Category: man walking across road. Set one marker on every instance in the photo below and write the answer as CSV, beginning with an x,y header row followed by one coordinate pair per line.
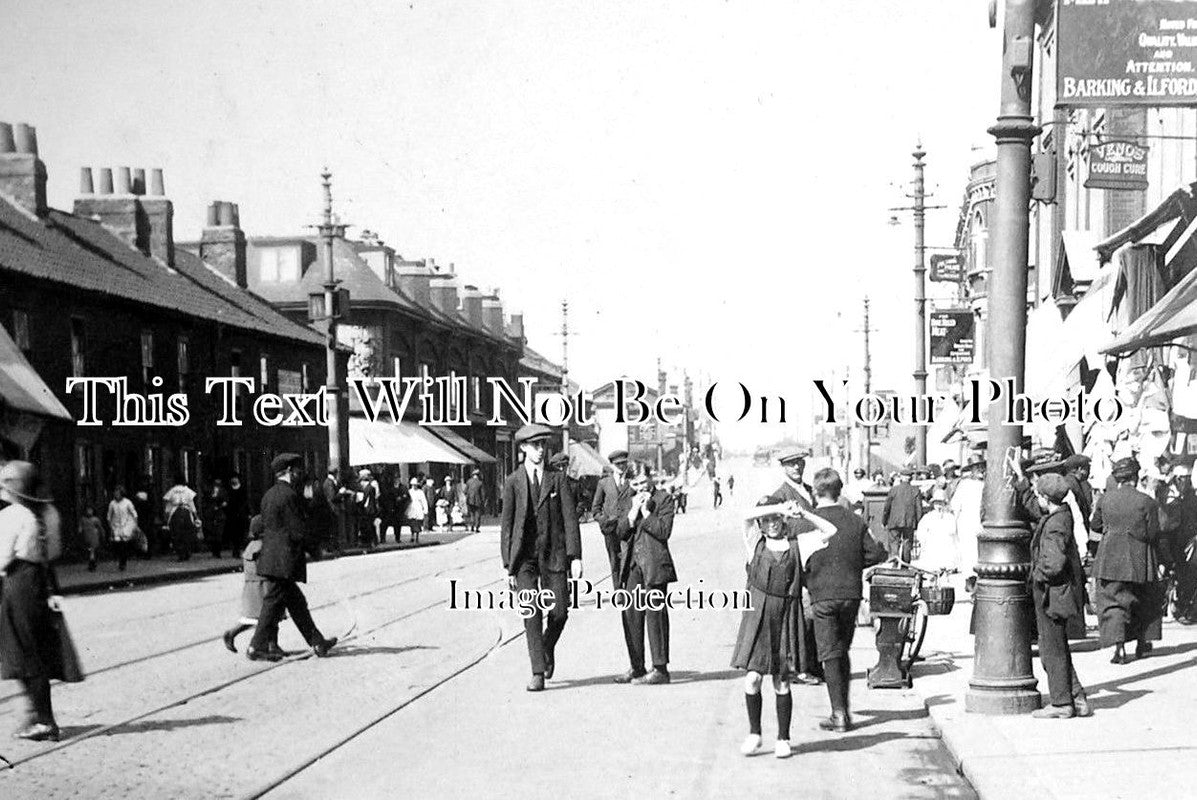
x,y
540,544
605,509
283,565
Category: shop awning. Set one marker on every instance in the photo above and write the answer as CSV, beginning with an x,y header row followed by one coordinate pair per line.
x,y
21,388
402,443
459,443
1174,316
583,461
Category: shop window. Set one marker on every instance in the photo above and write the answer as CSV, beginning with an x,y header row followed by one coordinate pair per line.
x,y
20,330
78,347
184,363
147,356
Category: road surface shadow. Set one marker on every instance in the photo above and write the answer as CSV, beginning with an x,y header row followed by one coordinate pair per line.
x,y
681,676
71,731
376,650
171,724
1120,695
882,717
848,743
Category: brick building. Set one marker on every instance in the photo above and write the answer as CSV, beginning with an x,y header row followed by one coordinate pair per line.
x,y
103,291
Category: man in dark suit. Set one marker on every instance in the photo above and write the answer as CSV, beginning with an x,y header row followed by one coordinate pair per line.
x,y
540,544
903,510
611,489
833,577
1129,602
793,488
475,500
282,565
334,495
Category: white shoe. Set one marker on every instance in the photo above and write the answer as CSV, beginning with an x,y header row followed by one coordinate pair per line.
x,y
751,744
782,749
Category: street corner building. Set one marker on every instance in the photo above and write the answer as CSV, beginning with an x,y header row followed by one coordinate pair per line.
x,y
103,290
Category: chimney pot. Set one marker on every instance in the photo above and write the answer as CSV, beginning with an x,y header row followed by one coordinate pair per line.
x,y
222,243
123,180
138,185
7,145
157,185
106,180
213,214
236,214
86,186
26,138
226,214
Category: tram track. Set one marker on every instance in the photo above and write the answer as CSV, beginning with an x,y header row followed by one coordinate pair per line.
x,y
14,763
210,639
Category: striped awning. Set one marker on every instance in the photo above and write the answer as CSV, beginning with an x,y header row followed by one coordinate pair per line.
x,y
459,443
21,388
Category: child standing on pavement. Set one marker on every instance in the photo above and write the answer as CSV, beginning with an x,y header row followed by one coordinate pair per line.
x,y
90,528
254,589
772,632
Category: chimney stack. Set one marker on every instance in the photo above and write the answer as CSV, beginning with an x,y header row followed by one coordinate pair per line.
x,y
413,279
471,305
222,244
443,291
515,327
116,208
22,173
492,314
159,214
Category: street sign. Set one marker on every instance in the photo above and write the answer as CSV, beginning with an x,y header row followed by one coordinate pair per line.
x,y
947,268
1117,165
952,336
1126,53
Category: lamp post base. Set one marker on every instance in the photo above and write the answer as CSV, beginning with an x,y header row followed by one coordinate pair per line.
x,y
1001,700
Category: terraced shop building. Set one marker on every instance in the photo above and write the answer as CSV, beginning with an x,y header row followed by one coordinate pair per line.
x,y
103,292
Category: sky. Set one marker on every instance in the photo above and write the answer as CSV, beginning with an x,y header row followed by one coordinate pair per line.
x,y
708,183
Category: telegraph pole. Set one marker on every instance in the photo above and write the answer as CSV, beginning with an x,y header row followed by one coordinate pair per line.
x,y
1002,681
331,229
565,370
657,423
920,301
868,387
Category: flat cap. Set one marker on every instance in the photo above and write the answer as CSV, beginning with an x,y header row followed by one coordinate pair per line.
x,y
559,461
284,460
1125,469
616,456
1076,461
1043,460
792,455
532,433
1052,486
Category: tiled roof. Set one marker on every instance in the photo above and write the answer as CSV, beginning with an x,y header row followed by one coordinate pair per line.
x,y
70,250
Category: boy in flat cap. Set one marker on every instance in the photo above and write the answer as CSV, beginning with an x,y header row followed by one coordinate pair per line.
x,y
541,545
282,565
1058,592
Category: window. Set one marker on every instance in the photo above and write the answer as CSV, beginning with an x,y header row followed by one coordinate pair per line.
x,y
305,380
264,363
191,467
147,355
476,386
20,330
78,346
278,265
184,363
395,371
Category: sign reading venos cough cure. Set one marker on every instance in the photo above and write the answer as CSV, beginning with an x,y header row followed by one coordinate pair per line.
x,y
1117,165
1127,53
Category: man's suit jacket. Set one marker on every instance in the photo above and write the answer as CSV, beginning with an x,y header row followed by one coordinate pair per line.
x,y
605,507
282,553
558,538
834,573
1130,526
903,507
475,492
647,542
784,494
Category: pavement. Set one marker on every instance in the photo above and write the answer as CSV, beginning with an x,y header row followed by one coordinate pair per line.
x,y
423,699
76,578
1139,742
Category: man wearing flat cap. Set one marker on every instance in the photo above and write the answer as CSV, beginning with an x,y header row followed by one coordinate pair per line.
x,y
1129,603
282,565
793,489
605,508
541,545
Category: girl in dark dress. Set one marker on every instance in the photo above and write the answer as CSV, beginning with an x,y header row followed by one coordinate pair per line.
x,y
771,639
